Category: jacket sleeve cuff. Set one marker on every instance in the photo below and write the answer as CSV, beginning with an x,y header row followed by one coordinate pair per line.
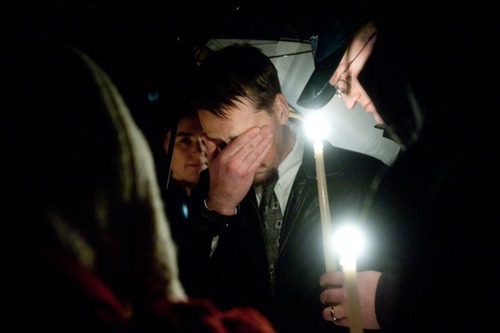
x,y
213,222
385,299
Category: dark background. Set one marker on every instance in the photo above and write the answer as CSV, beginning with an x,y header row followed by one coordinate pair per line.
x,y
147,46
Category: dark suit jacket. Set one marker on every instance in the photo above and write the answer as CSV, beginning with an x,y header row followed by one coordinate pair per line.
x,y
237,273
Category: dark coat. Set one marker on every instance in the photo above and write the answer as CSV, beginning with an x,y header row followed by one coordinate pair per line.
x,y
237,273
434,216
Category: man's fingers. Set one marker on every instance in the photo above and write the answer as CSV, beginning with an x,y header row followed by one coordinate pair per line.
x,y
256,162
246,141
247,151
257,149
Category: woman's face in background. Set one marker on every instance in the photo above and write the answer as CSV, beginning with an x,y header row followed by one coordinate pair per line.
x,y
189,154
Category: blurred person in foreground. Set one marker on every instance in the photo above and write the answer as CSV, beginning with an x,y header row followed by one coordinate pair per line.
x,y
85,243
422,68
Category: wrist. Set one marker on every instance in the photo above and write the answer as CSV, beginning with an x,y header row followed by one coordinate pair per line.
x,y
222,211
215,223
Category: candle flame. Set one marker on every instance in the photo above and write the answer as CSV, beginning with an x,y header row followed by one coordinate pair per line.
x,y
316,126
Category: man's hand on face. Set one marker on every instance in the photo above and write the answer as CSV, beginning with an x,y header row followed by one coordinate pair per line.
x,y
232,168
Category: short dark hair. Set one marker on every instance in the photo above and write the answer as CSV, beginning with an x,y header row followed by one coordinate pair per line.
x,y
235,72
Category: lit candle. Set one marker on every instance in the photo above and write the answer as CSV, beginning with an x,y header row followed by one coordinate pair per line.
x,y
349,242
316,126
324,205
354,308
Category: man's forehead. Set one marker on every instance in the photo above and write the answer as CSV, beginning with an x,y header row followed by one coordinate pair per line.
x,y
236,121
224,129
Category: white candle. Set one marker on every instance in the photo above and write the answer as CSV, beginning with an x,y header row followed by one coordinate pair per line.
x,y
354,308
324,205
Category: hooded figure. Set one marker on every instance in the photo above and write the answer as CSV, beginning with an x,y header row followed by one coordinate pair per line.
x,y
86,246
431,221
332,40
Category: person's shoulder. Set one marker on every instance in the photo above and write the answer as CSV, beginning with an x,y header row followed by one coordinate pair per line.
x,y
350,156
351,161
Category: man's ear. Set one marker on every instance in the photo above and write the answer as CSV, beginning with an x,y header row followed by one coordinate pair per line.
x,y
281,108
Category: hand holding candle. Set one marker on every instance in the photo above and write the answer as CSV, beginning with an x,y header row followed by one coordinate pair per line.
x,y
317,128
